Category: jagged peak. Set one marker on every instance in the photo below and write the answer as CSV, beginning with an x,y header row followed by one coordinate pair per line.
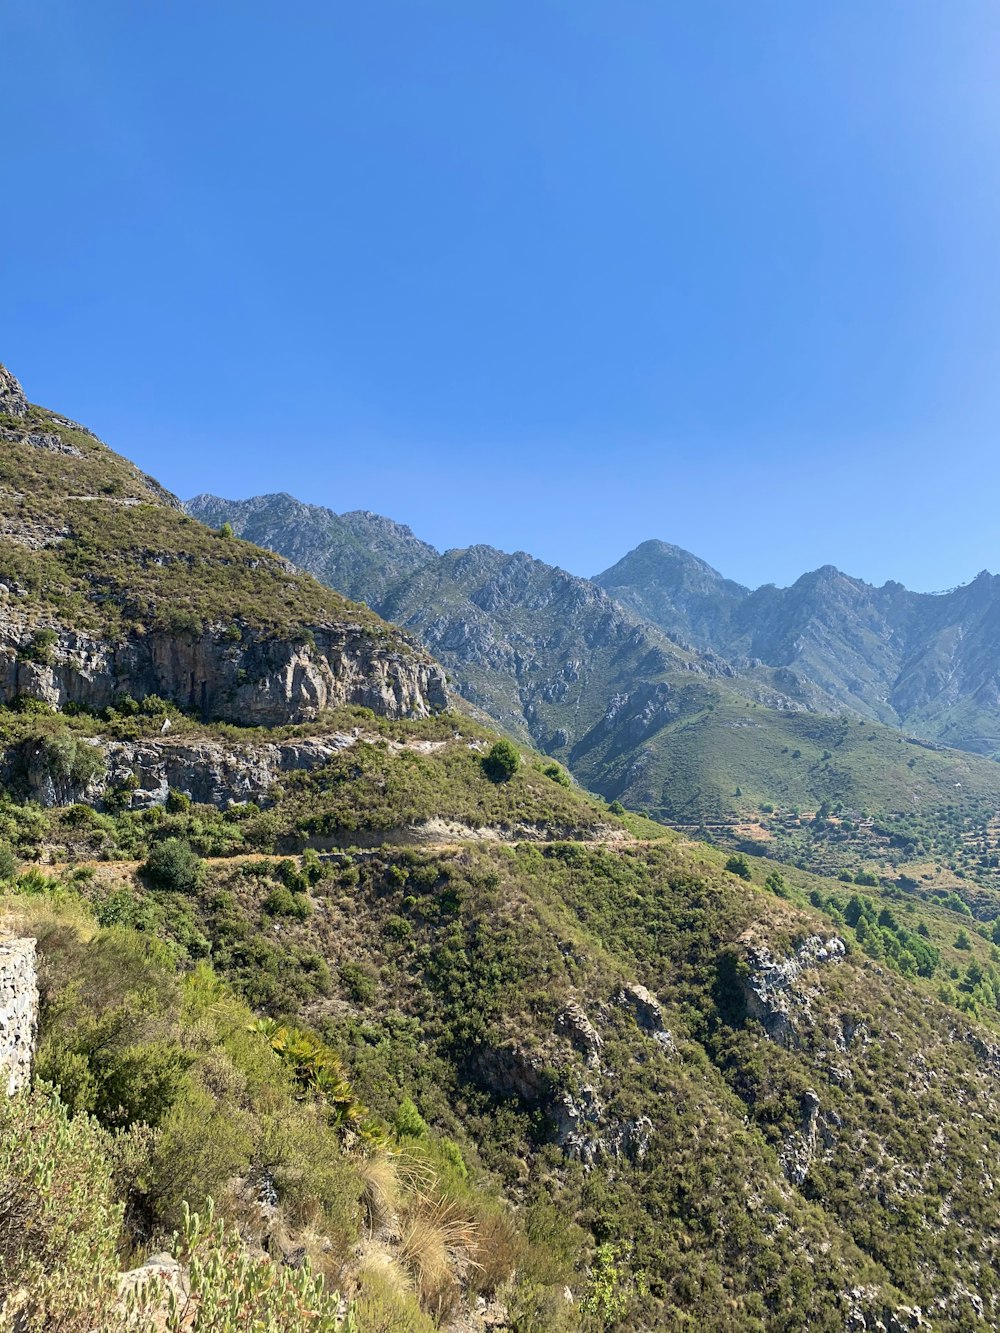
x,y
12,399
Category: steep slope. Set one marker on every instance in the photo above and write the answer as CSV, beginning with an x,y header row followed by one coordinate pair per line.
x,y
728,1106
361,554
690,1089
108,589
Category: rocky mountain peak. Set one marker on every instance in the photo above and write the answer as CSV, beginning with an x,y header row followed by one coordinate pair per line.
x,y
12,399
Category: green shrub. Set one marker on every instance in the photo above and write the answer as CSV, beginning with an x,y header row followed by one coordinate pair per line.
x,y
739,865
40,648
281,901
502,762
408,1122
173,864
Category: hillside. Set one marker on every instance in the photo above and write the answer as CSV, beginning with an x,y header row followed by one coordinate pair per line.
x,y
108,589
707,1099
423,1018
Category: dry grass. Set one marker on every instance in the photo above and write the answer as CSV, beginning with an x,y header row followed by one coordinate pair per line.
x,y
438,1244
382,1191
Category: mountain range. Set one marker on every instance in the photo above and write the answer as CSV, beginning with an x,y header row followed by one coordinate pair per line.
x,y
660,682
412,1011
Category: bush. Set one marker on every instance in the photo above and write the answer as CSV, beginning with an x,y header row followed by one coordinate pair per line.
x,y
174,865
616,808
739,865
502,762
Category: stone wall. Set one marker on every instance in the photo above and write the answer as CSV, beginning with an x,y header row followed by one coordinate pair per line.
x,y
18,1013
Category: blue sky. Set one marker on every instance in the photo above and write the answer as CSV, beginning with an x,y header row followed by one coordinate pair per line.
x,y
557,275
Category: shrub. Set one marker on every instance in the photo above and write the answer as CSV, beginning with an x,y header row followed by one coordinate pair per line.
x,y
59,1222
408,1122
173,864
739,865
502,762
178,802
39,650
616,808
281,901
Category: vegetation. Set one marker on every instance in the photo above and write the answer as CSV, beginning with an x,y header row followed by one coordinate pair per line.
x,y
132,560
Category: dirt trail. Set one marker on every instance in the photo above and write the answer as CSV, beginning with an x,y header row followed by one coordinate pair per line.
x,y
617,844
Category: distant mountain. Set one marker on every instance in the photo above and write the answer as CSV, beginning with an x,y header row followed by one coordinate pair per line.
x,y
360,554
696,716
929,662
676,591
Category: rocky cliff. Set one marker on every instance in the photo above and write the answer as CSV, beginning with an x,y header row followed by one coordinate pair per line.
x,y
227,672
18,1013
108,589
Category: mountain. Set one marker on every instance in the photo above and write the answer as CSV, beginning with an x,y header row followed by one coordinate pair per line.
x,y
926,662
694,717
407,1006
108,589
675,590
360,554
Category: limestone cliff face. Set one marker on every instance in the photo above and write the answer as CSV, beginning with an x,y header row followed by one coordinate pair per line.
x,y
250,679
18,1013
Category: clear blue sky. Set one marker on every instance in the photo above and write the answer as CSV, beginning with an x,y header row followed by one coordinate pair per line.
x,y
552,274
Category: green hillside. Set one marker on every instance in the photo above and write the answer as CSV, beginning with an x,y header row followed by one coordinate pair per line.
x,y
672,1152
728,759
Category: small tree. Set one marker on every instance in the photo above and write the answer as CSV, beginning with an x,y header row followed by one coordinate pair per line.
x,y
739,865
502,762
174,864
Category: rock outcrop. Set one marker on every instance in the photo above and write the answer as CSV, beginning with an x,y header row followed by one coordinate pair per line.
x,y
769,992
142,773
252,680
647,1011
18,1013
12,400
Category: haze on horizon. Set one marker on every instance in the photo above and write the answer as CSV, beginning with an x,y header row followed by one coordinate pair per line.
x,y
558,279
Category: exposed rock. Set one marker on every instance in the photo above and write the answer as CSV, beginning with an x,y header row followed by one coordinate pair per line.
x,y
18,1013
573,1023
799,1147
769,992
512,1073
40,439
154,1287
647,1012
12,400
579,1121
867,1312
254,680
